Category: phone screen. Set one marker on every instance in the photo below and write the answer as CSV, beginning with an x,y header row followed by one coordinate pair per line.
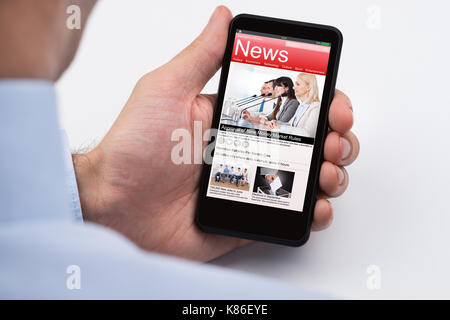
x,y
268,122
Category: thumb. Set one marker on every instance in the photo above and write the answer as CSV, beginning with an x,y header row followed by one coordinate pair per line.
x,y
198,62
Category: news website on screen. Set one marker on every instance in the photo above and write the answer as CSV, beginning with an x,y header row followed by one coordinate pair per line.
x,y
269,119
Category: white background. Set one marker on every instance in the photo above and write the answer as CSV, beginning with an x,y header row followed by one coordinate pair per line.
x,y
395,213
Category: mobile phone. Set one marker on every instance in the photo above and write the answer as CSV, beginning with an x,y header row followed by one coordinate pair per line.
x,y
260,176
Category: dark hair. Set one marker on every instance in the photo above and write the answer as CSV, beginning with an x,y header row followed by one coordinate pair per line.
x,y
287,83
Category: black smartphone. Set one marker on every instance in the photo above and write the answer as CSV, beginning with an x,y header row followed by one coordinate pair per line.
x,y
261,171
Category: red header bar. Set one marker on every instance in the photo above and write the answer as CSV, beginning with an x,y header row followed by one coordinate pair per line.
x,y
282,54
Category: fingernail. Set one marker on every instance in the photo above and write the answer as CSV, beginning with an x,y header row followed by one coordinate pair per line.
x,y
350,104
341,175
213,16
346,148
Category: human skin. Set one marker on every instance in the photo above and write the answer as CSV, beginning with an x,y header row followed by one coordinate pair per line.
x,y
36,44
128,182
271,177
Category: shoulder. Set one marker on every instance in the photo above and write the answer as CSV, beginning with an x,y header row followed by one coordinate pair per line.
x,y
314,106
292,102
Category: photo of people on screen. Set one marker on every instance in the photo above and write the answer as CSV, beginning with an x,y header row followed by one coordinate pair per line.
x,y
267,104
284,105
273,182
230,176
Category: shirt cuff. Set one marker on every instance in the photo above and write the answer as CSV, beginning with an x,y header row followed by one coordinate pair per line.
x,y
71,181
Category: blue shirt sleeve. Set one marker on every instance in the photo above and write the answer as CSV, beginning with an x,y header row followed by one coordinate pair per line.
x,y
32,184
71,182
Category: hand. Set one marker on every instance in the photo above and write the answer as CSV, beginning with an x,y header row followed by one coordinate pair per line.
x,y
273,125
129,181
271,177
246,115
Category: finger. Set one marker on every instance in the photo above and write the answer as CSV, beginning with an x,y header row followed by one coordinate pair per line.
x,y
323,215
212,97
343,149
198,62
340,117
333,180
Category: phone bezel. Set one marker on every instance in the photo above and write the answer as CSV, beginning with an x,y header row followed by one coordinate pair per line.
x,y
257,222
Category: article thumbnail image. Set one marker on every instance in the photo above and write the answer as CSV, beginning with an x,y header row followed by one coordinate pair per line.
x,y
272,99
231,175
273,182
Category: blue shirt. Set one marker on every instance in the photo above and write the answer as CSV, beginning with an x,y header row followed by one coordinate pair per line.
x,y
44,243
